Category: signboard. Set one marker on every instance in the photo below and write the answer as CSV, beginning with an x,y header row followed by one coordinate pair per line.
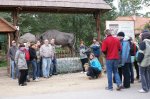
x,y
121,26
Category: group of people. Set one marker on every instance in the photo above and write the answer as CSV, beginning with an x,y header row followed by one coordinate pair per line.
x,y
121,54
91,56
41,57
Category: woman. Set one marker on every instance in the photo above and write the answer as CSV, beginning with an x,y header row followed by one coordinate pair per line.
x,y
33,59
95,67
39,60
22,65
83,56
96,48
143,59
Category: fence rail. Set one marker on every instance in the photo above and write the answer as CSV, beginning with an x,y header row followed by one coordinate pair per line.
x,y
65,54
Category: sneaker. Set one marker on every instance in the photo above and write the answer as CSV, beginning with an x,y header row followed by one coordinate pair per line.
x,y
119,87
110,89
82,72
23,84
36,80
55,73
141,91
85,72
28,80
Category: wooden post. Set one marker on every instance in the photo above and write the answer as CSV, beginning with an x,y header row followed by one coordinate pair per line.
x,y
8,60
97,19
15,16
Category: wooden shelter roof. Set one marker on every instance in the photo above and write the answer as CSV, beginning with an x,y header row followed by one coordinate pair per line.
x,y
6,27
57,6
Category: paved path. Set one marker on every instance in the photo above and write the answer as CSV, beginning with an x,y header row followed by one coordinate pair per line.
x,y
93,94
67,86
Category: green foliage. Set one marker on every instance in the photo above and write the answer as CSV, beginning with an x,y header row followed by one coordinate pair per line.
x,y
146,2
147,26
3,63
129,7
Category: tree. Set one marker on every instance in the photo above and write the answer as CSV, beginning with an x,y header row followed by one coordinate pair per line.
x,y
147,26
129,7
146,2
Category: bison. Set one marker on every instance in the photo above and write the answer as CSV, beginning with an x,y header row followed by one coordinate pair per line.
x,y
61,38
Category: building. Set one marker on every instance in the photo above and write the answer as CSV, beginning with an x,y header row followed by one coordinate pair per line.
x,y
140,22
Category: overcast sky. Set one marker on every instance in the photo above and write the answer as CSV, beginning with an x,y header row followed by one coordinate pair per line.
x,y
143,11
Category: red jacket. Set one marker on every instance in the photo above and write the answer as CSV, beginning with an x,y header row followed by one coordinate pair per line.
x,y
111,47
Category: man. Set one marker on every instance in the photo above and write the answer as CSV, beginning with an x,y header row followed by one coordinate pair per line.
x,y
53,70
11,55
46,53
143,59
125,62
111,47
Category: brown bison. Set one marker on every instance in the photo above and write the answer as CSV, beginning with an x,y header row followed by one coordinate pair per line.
x,y
61,38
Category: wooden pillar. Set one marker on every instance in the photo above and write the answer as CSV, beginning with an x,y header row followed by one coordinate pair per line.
x,y
15,16
8,60
97,19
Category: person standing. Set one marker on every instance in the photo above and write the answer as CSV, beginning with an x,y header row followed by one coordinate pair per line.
x,y
53,69
39,59
83,56
111,47
125,59
11,55
46,53
96,48
33,59
27,57
144,61
21,64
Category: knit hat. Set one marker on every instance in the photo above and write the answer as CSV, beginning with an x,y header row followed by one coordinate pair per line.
x,y
121,34
145,31
145,36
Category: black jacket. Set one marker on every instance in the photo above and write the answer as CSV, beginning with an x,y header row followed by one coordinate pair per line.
x,y
32,54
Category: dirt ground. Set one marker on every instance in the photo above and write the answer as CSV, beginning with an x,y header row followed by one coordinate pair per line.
x,y
58,83
62,83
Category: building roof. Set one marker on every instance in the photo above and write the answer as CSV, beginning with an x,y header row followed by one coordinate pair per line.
x,y
6,27
140,22
58,6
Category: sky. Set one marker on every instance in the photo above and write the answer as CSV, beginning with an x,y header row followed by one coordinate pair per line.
x,y
143,11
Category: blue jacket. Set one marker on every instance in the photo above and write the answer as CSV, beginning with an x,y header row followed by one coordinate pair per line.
x,y
125,55
95,63
96,49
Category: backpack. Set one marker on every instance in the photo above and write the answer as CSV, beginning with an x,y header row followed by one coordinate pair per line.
x,y
27,55
132,49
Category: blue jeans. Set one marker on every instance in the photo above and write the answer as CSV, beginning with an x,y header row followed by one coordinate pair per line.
x,y
54,68
145,78
112,68
39,69
14,69
34,69
46,66
131,73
